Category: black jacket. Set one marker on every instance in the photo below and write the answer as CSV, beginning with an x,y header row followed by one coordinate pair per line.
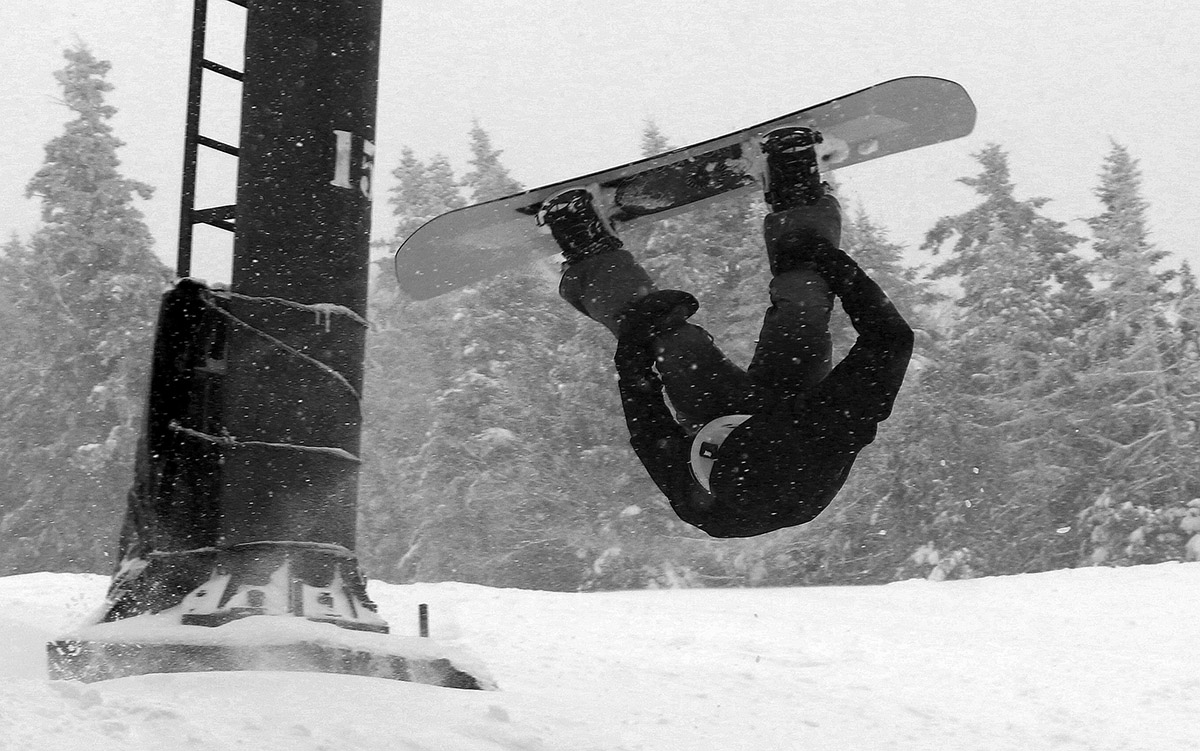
x,y
782,468
802,492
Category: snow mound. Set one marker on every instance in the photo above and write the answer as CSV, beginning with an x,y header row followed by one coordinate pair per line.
x,y
1092,659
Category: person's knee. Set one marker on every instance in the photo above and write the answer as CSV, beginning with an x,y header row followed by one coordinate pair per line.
x,y
801,287
896,335
603,286
802,297
570,288
903,340
687,337
686,351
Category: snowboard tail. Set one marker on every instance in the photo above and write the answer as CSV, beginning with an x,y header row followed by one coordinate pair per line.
x,y
473,243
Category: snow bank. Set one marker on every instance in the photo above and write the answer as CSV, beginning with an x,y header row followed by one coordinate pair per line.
x,y
1096,659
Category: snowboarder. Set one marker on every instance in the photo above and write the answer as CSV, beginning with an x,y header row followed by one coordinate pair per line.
x,y
746,451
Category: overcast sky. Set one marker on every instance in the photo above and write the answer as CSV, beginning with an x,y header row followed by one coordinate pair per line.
x,y
564,89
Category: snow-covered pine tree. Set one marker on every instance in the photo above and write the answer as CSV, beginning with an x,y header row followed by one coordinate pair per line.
x,y
1187,307
872,248
1139,391
405,368
488,177
467,472
653,140
86,286
1021,219
1003,372
422,192
411,518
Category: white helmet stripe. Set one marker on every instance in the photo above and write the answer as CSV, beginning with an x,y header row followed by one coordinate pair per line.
x,y
708,442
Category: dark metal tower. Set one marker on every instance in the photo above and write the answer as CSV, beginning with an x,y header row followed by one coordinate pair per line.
x,y
246,489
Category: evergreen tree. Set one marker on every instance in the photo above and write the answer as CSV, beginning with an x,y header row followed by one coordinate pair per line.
x,y
85,288
1021,220
422,192
883,260
1188,309
1002,376
1139,389
1123,225
488,177
653,140
417,468
471,487
405,368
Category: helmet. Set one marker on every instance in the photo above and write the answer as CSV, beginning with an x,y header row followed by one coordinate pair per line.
x,y
706,444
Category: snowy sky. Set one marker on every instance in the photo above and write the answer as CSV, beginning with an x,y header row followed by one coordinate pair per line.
x,y
564,88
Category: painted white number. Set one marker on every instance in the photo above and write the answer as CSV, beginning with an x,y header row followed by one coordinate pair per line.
x,y
343,161
341,158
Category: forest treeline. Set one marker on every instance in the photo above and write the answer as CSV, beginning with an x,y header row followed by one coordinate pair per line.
x,y
1048,419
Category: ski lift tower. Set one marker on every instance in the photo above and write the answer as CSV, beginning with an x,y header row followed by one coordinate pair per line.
x,y
245,496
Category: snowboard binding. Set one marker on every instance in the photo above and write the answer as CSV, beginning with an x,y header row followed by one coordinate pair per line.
x,y
577,227
805,222
792,176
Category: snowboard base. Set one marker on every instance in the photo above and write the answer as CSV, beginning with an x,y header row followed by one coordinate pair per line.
x,y
473,243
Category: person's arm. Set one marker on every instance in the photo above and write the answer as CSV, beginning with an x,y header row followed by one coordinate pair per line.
x,y
871,312
657,439
861,390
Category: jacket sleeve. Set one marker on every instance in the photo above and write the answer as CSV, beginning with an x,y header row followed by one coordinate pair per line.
x,y
861,390
657,439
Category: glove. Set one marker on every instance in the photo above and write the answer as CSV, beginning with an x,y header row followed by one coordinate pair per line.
x,y
836,267
650,316
635,364
657,312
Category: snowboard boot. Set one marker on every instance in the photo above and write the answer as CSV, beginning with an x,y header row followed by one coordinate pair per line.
x,y
577,227
599,277
792,176
805,217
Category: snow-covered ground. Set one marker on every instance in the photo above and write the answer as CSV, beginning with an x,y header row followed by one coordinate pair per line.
x,y
1083,659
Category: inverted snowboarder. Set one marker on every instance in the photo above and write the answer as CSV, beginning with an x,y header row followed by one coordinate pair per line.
x,y
746,451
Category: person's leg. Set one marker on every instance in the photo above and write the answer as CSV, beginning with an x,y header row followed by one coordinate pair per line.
x,y
604,286
599,277
701,382
858,394
603,281
794,351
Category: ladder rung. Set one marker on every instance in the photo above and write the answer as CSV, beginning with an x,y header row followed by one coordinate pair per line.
x,y
221,217
215,212
212,143
217,216
223,70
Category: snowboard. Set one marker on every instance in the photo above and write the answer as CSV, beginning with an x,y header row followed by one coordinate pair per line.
x,y
476,242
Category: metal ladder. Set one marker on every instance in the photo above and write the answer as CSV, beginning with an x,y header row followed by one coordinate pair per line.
x,y
189,216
